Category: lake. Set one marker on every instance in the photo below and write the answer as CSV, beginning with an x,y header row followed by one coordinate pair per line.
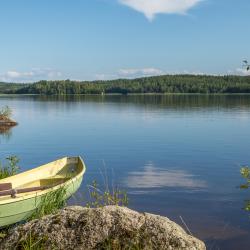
x,y
175,155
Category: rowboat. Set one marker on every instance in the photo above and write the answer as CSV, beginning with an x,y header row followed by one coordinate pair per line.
x,y
21,194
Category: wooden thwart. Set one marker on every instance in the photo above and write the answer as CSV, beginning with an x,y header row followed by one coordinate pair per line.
x,y
13,192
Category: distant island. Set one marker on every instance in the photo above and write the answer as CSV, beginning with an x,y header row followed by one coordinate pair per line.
x,y
5,120
203,84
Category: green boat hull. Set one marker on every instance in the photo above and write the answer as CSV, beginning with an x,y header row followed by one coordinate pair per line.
x,y
21,210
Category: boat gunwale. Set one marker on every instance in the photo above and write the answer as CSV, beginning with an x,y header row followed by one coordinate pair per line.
x,y
35,194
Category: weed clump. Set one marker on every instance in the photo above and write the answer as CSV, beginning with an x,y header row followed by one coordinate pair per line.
x,y
99,198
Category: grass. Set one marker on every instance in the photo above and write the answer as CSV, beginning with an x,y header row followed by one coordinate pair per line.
x,y
99,198
50,203
10,168
32,243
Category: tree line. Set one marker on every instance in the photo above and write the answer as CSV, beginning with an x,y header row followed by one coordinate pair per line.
x,y
205,84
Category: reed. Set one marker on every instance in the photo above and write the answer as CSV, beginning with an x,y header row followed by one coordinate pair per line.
x,y
10,168
50,203
99,198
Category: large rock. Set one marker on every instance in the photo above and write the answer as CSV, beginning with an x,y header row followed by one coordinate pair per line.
x,y
111,227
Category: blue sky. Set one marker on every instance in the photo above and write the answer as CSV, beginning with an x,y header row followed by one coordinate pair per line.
x,y
106,39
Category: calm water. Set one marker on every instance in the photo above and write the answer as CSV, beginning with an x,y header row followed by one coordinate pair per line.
x,y
175,155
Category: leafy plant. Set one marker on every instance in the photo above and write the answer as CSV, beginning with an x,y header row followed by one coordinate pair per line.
x,y
11,168
5,112
246,65
99,198
245,172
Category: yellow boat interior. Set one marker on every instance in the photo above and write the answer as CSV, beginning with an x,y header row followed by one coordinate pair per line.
x,y
44,177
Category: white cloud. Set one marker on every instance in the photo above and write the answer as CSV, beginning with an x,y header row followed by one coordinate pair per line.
x,y
150,8
132,73
153,177
33,75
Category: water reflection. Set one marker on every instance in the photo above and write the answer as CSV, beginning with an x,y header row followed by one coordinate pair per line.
x,y
153,177
5,132
175,102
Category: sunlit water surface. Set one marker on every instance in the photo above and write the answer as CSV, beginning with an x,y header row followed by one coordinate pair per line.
x,y
175,155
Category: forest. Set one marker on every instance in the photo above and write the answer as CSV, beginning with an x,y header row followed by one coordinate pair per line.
x,y
205,84
10,87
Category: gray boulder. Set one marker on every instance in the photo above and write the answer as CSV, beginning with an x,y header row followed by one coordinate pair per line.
x,y
111,227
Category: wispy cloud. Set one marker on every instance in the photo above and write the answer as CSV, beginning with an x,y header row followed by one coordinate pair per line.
x,y
143,72
131,73
33,75
153,177
150,8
